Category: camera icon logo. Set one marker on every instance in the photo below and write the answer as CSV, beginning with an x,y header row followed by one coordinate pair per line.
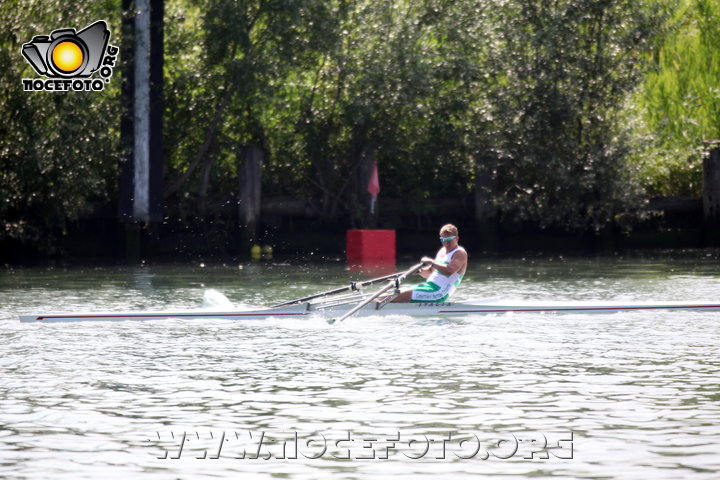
x,y
68,54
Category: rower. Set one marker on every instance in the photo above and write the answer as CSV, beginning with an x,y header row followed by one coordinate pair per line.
x,y
443,274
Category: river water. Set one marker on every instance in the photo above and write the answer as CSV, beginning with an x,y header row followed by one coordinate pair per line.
x,y
614,396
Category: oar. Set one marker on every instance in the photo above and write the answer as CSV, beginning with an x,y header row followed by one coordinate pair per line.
x,y
352,287
398,280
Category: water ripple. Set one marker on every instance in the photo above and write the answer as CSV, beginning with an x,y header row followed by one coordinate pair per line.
x,y
638,391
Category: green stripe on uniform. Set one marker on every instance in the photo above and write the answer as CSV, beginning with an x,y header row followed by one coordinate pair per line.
x,y
428,287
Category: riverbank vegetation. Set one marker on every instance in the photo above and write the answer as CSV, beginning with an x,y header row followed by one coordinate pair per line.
x,y
564,113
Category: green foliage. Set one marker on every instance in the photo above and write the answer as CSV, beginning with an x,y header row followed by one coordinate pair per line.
x,y
58,151
678,105
395,85
563,69
228,64
529,93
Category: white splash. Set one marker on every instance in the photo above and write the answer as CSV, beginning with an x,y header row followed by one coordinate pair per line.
x,y
216,300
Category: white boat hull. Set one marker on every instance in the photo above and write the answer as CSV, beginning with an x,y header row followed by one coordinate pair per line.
x,y
446,309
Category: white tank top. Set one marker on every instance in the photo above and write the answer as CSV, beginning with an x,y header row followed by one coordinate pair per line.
x,y
443,281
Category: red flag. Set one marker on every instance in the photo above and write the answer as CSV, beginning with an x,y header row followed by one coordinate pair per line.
x,y
374,187
374,183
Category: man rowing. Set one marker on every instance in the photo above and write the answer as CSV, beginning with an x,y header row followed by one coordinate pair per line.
x,y
443,274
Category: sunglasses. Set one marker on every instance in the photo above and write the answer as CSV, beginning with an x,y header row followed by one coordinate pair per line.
x,y
447,239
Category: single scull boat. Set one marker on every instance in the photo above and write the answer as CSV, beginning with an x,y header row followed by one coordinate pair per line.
x,y
446,309
339,304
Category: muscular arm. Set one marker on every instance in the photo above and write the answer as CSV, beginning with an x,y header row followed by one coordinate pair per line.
x,y
458,261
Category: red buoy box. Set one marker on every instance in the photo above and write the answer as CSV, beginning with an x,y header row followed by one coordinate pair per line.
x,y
367,246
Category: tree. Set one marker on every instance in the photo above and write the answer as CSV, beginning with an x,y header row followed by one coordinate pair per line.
x,y
678,104
225,75
58,150
562,70
396,85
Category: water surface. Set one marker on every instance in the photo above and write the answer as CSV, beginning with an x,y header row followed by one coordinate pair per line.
x,y
614,396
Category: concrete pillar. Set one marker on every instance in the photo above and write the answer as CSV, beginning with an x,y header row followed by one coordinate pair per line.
x,y
141,182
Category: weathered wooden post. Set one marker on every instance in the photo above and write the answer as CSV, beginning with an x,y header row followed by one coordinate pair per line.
x,y
711,191
711,184
250,174
485,210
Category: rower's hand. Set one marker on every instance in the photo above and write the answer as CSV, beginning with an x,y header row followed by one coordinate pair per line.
x,y
425,271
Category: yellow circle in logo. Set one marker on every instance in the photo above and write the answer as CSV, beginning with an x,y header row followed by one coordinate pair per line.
x,y
67,56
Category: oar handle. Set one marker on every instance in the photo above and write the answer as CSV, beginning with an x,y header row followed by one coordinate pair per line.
x,y
387,287
414,269
352,287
